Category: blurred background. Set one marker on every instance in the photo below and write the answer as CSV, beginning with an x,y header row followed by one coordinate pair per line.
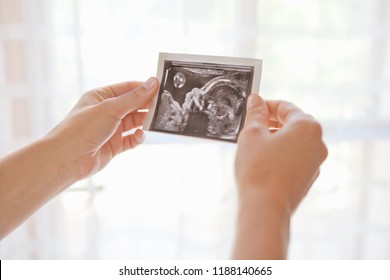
x,y
173,200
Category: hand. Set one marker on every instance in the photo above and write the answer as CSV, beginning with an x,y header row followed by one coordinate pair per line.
x,y
82,144
285,163
274,171
93,129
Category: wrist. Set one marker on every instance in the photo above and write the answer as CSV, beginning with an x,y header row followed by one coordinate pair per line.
x,y
263,226
271,200
61,157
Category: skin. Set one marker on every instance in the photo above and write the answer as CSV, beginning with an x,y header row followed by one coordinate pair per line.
x,y
81,145
274,171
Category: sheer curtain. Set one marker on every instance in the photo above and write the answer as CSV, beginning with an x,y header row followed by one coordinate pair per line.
x,y
174,200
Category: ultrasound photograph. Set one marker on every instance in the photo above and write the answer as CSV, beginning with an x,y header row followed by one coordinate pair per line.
x,y
202,99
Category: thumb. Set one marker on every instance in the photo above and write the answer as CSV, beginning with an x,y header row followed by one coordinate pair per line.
x,y
257,112
137,98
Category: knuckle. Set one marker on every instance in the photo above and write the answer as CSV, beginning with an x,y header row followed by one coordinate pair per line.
x,y
136,98
100,93
253,129
325,151
308,123
287,105
316,128
137,93
257,113
250,131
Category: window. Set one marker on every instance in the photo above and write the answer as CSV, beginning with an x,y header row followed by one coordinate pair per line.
x,y
177,200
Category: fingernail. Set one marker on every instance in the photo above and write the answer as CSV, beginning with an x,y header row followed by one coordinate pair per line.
x,y
149,83
254,100
140,138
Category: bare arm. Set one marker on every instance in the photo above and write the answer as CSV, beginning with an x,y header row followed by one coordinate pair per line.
x,y
274,172
82,144
30,177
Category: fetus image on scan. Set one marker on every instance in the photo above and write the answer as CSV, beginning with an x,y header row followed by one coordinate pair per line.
x,y
203,100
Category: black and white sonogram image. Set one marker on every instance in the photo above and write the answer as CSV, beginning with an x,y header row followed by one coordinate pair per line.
x,y
205,100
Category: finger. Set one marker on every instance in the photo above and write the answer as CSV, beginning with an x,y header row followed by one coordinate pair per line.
x,y
133,120
124,87
315,176
283,111
274,124
257,113
116,90
135,99
146,106
133,140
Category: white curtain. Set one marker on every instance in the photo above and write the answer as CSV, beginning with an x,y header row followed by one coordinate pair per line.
x,y
178,201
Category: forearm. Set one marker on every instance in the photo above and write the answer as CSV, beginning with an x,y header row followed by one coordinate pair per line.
x,y
29,178
263,228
